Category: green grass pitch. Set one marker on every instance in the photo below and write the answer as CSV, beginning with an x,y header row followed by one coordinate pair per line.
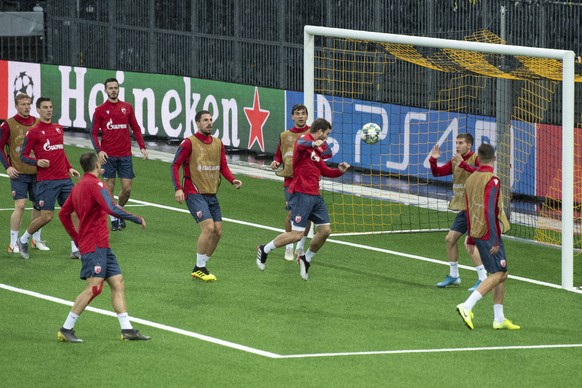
x,y
370,314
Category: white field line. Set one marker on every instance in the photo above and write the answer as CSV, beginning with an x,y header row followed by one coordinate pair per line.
x,y
444,350
144,322
263,353
267,354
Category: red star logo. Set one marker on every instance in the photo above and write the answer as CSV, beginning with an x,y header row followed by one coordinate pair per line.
x,y
256,118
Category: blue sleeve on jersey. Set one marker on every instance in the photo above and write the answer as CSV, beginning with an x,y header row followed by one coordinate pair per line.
x,y
95,145
304,143
26,160
326,154
175,168
116,210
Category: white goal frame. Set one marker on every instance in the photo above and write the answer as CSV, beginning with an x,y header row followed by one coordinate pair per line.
x,y
567,58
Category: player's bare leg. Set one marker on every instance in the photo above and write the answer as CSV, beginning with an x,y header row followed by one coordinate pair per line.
x,y
123,197
128,333
37,241
125,192
300,247
93,288
210,233
110,186
319,238
15,223
16,217
453,278
288,247
481,272
117,286
281,240
45,217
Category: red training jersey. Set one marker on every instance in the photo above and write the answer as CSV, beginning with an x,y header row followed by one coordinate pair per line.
x,y
447,168
46,140
279,156
182,159
112,120
308,167
92,203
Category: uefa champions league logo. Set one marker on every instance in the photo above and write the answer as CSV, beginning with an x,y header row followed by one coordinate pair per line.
x,y
23,84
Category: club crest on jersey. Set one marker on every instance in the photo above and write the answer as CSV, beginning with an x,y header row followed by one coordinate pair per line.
x,y
41,203
97,269
297,219
314,156
13,193
107,111
503,263
123,110
199,214
58,130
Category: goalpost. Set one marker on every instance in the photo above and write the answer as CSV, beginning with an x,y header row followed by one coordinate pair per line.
x,y
424,91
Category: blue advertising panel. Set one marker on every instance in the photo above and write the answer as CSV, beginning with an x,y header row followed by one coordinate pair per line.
x,y
408,135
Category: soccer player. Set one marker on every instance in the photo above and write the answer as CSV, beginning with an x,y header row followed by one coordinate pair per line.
x,y
203,159
284,156
463,163
22,176
486,221
306,202
92,202
54,171
113,119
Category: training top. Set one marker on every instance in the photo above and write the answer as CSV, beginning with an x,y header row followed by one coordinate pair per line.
x,y
460,174
12,133
112,120
92,203
46,142
308,167
482,194
182,159
284,152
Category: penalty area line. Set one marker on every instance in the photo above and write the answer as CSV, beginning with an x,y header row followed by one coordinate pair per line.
x,y
263,353
145,322
445,350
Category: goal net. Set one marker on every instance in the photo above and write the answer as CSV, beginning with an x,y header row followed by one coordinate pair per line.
x,y
424,92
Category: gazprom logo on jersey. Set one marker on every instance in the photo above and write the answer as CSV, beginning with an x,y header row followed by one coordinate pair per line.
x,y
112,126
48,147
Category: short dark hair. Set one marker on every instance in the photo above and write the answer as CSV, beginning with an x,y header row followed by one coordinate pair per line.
x,y
87,161
199,115
486,153
297,107
110,80
318,124
467,136
41,100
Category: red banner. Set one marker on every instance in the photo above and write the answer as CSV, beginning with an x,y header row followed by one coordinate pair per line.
x,y
549,162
